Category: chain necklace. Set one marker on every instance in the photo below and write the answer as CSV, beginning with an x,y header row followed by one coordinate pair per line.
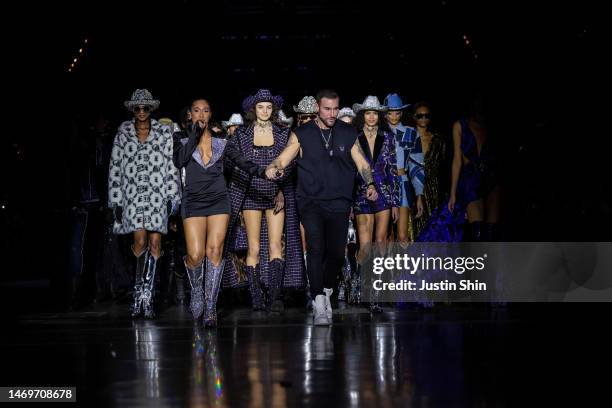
x,y
372,130
326,141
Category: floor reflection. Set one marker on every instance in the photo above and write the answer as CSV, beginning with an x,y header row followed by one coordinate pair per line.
x,y
402,358
207,377
147,355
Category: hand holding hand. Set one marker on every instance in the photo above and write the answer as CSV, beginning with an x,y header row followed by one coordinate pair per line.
x,y
371,193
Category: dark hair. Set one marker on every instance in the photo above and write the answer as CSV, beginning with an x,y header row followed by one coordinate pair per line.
x,y
421,104
478,107
194,100
183,115
250,116
326,93
359,121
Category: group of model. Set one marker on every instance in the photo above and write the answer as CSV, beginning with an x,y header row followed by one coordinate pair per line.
x,y
284,195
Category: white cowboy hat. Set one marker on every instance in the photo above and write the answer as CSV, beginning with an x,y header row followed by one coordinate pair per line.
x,y
307,105
142,97
282,118
371,103
346,112
234,120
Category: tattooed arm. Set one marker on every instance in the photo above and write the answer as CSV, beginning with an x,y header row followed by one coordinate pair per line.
x,y
283,160
363,167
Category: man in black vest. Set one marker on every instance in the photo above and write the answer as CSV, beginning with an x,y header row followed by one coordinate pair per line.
x,y
329,155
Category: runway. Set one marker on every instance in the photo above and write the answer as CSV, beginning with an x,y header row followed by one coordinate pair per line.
x,y
451,355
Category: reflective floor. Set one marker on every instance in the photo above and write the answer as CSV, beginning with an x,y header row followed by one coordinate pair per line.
x,y
453,355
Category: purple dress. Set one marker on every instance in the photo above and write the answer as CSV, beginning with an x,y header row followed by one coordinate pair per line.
x,y
476,180
384,171
236,241
478,177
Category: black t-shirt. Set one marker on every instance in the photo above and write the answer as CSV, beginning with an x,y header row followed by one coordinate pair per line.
x,y
326,179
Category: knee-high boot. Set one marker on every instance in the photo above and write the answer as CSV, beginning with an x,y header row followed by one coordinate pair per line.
x,y
277,271
257,295
196,280
148,286
211,291
136,308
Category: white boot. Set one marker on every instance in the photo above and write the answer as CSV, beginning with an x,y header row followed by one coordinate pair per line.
x,y
328,308
319,314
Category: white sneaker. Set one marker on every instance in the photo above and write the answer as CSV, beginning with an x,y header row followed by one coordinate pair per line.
x,y
319,314
328,308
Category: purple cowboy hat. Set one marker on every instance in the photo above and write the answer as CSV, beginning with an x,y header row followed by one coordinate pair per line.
x,y
263,95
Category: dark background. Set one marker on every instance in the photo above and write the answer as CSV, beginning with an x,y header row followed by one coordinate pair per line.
x,y
540,67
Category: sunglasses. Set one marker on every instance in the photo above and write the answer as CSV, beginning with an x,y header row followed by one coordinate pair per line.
x,y
422,116
141,108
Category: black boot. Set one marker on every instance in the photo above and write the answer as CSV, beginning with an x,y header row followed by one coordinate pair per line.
x,y
167,275
148,287
257,296
74,289
138,282
179,277
179,281
277,271
492,232
474,231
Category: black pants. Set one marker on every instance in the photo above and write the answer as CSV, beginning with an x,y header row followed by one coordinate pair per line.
x,y
326,234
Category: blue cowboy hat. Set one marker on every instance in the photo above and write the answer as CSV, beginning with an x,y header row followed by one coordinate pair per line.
x,y
394,102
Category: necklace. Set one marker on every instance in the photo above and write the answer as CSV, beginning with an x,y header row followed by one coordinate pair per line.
x,y
265,124
372,130
326,141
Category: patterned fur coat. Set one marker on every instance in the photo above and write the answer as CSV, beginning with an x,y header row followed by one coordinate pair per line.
x,y
142,179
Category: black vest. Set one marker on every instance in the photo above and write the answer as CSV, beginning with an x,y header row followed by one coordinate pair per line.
x,y
321,177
